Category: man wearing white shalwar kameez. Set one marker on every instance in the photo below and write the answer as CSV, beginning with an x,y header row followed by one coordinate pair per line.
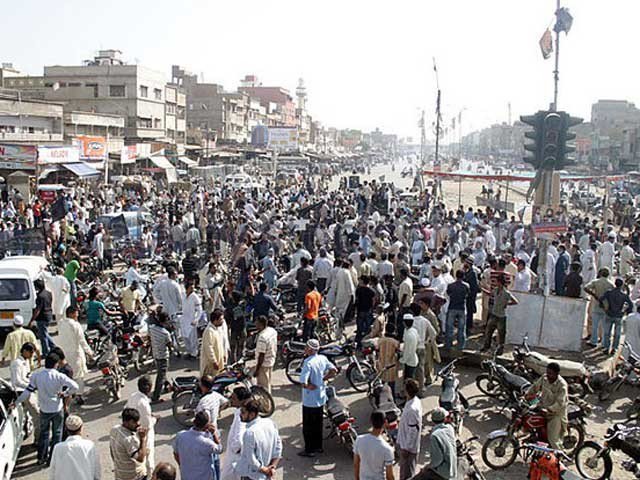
x,y
142,403
234,439
191,313
59,287
588,261
627,257
74,345
342,294
606,253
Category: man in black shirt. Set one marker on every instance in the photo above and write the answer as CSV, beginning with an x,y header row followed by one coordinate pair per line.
x,y
458,293
471,275
42,315
263,303
573,282
190,266
616,304
365,301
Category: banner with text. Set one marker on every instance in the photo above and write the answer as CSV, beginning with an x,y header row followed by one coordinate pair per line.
x,y
58,155
91,148
16,157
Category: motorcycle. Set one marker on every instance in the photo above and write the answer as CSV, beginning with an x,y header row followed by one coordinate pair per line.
x,y
340,421
112,371
499,382
593,460
187,394
451,398
140,348
502,446
381,398
626,370
358,372
531,365
545,462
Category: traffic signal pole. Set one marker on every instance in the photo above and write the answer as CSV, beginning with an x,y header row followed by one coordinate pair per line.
x,y
556,72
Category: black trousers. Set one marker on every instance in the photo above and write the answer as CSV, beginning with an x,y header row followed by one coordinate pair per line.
x,y
312,424
161,375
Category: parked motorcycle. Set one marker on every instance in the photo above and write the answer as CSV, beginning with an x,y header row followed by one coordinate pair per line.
x,y
187,394
340,420
545,462
112,371
451,398
627,371
358,372
531,365
466,463
502,446
593,460
499,382
381,398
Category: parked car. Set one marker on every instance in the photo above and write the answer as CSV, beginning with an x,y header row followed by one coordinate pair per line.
x,y
15,427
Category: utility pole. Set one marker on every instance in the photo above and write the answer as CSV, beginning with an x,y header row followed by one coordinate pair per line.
x,y
436,160
556,71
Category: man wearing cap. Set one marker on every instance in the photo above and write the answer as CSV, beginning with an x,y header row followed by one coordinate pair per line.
x,y
443,455
76,458
316,370
597,288
16,339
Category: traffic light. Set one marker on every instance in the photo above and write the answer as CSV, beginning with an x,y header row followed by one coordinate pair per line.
x,y
567,121
551,140
537,122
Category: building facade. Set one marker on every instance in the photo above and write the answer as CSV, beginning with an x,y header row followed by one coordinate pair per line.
x,y
28,121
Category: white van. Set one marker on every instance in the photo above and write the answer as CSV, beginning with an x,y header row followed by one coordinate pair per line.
x,y
17,293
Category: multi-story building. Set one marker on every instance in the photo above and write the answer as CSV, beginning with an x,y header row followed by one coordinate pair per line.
x,y
28,121
609,116
110,127
277,100
175,114
7,71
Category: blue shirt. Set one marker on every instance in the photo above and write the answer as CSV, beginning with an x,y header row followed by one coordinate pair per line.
x,y
195,450
261,443
314,369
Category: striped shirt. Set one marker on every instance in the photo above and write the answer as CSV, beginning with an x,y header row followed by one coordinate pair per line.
x,y
49,383
160,339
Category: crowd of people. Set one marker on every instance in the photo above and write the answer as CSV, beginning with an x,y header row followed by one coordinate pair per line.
x,y
409,276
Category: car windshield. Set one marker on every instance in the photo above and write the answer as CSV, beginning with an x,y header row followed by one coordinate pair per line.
x,y
14,289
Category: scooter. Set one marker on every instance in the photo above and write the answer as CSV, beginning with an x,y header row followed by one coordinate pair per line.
x,y
451,398
381,398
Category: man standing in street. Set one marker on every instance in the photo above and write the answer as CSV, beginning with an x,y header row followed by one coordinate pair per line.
x,y
76,458
211,403
365,302
405,297
20,369
52,387
73,343
303,276
266,350
128,447
312,302
141,402
42,315
372,455
443,456
261,445
191,313
316,370
501,299
597,288
16,339
409,348
239,397
458,293
213,352
194,448
554,400
616,304
410,431
160,346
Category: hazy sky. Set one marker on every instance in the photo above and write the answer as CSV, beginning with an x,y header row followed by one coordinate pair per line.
x,y
366,64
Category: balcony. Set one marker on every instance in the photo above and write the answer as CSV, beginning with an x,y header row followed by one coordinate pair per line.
x,y
30,137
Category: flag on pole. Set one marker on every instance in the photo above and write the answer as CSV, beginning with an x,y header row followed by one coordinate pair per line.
x,y
564,20
546,44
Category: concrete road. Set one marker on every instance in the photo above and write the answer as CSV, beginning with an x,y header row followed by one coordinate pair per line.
x,y
336,463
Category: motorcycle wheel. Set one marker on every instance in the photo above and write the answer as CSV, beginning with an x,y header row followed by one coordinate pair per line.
x,y
573,439
612,385
360,381
487,385
264,398
589,465
500,452
293,369
184,408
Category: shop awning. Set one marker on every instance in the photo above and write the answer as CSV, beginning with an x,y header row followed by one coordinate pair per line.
x,y
81,169
188,162
162,162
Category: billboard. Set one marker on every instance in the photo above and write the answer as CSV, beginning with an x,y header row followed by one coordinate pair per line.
x,y
128,154
16,157
283,139
91,148
57,155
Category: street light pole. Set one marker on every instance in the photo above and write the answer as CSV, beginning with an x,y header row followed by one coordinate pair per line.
x,y
556,72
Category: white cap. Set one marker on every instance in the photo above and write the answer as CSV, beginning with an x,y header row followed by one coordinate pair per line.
x,y
18,320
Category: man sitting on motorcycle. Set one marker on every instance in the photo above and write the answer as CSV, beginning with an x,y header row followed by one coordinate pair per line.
x,y
554,399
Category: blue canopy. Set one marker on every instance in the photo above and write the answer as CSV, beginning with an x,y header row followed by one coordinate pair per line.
x,y
82,169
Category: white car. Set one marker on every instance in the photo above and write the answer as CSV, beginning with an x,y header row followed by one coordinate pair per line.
x,y
15,426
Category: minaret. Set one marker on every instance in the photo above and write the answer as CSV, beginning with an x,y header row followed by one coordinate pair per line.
x,y
301,93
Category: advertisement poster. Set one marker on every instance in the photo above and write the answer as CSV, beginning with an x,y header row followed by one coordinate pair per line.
x,y
91,148
18,157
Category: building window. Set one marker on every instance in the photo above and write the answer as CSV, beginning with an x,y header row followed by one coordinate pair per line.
x,y
144,122
157,93
144,91
75,84
94,87
116,91
157,123
171,109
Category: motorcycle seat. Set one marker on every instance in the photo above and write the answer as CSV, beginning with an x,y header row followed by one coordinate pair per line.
x,y
448,397
515,381
185,381
295,345
92,334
